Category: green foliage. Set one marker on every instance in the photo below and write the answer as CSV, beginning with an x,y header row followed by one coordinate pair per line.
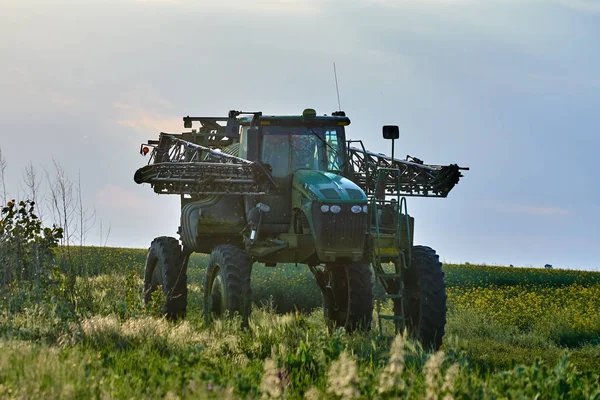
x,y
90,336
155,307
133,295
483,276
26,247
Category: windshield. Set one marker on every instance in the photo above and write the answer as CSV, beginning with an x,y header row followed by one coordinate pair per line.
x,y
288,149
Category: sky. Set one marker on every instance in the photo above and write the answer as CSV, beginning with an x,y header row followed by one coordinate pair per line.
x,y
508,88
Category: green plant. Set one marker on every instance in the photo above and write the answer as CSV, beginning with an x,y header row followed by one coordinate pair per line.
x,y
27,249
133,297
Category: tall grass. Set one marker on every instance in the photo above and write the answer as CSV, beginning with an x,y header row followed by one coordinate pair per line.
x,y
503,341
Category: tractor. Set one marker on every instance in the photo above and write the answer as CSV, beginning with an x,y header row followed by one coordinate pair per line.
x,y
271,189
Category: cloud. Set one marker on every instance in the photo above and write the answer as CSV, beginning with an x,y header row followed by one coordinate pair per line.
x,y
148,122
395,3
63,100
160,1
581,5
145,111
25,87
269,6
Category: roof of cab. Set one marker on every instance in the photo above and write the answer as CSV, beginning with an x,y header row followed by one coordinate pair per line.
x,y
299,119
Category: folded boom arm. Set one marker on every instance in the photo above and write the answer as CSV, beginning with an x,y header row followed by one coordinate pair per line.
x,y
177,166
403,177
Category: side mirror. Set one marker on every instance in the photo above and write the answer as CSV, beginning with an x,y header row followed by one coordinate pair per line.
x,y
232,129
391,132
253,143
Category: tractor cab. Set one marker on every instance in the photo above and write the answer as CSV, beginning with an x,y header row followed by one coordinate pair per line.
x,y
303,151
290,143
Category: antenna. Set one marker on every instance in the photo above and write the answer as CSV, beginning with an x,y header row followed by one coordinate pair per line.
x,y
337,89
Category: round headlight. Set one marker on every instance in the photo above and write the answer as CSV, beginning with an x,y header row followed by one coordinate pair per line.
x,y
365,208
335,209
324,208
356,209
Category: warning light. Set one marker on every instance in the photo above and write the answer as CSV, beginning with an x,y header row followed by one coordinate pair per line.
x,y
309,113
145,150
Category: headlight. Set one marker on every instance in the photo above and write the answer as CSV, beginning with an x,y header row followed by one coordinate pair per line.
x,y
365,208
356,209
335,209
324,208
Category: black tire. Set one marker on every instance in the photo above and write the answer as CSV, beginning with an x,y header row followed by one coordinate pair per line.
x,y
166,268
227,284
425,298
349,304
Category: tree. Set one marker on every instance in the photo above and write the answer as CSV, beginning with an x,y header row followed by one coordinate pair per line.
x,y
2,177
32,190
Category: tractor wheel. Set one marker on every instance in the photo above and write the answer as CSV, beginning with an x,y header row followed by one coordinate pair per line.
x,y
350,302
425,298
227,284
166,267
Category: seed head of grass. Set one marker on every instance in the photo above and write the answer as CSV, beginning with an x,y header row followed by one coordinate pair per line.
x,y
391,376
342,377
271,385
431,370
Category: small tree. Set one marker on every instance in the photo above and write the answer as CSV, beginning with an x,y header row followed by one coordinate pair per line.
x,y
26,247
2,177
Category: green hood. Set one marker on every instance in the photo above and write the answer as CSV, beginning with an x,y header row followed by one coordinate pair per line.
x,y
327,187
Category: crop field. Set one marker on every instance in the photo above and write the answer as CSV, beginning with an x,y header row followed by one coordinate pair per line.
x,y
511,333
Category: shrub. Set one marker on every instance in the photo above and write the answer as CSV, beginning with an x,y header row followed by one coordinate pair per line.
x,y
27,249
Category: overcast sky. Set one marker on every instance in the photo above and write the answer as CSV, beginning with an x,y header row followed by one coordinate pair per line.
x,y
508,88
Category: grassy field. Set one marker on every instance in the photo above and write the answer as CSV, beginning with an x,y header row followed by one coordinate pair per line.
x,y
511,333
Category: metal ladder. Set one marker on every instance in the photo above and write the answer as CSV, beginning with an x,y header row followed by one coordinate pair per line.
x,y
392,283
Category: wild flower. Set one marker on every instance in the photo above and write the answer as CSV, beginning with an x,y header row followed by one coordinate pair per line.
x,y
342,377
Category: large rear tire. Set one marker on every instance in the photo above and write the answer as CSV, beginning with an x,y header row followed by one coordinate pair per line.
x,y
227,284
166,268
425,298
349,303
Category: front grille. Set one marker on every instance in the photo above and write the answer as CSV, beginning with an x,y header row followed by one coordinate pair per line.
x,y
342,231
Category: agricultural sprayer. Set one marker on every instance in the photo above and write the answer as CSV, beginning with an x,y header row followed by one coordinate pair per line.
x,y
293,189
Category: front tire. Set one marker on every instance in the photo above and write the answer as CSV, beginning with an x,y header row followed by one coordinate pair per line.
x,y
349,302
166,268
425,298
227,284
